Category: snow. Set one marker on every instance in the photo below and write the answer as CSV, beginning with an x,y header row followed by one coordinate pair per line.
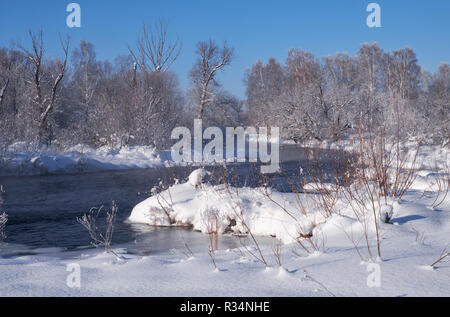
x,y
18,160
188,205
415,238
196,178
335,270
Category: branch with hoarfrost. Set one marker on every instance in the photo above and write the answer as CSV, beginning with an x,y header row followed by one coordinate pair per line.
x,y
277,250
89,222
188,252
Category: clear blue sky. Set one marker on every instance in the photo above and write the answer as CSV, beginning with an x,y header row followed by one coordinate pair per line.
x,y
258,29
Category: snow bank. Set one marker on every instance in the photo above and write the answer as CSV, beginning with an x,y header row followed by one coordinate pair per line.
x,y
18,160
338,268
236,210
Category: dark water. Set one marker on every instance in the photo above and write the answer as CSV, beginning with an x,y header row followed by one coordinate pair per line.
x,y
43,209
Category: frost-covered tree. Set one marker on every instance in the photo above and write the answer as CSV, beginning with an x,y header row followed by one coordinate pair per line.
x,y
45,80
211,59
328,99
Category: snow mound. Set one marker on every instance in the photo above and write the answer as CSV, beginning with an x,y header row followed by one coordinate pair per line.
x,y
197,177
226,209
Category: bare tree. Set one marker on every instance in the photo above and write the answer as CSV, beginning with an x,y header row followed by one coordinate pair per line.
x,y
44,98
154,51
211,59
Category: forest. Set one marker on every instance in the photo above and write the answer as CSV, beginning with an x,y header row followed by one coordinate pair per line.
x,y
137,100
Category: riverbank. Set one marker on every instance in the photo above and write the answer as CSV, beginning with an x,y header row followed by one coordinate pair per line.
x,y
339,264
336,270
19,160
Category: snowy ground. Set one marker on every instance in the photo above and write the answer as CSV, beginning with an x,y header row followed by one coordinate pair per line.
x,y
337,270
415,237
18,160
413,241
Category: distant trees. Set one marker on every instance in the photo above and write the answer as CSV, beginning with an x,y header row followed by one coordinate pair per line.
x,y
60,102
136,99
436,109
225,111
5,85
327,99
31,88
122,105
264,83
10,82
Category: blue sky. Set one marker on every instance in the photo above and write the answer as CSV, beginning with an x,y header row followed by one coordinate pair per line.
x,y
258,29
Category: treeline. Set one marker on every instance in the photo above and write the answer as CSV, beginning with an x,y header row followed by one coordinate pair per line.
x,y
329,99
137,100
134,100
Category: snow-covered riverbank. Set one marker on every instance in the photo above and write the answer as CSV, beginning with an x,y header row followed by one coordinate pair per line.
x,y
315,254
335,270
20,161
414,239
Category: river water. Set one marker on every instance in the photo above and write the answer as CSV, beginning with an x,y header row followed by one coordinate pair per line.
x,y
43,209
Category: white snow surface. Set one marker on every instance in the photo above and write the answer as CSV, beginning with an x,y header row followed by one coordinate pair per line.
x,y
405,267
246,208
18,160
197,177
415,238
21,159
